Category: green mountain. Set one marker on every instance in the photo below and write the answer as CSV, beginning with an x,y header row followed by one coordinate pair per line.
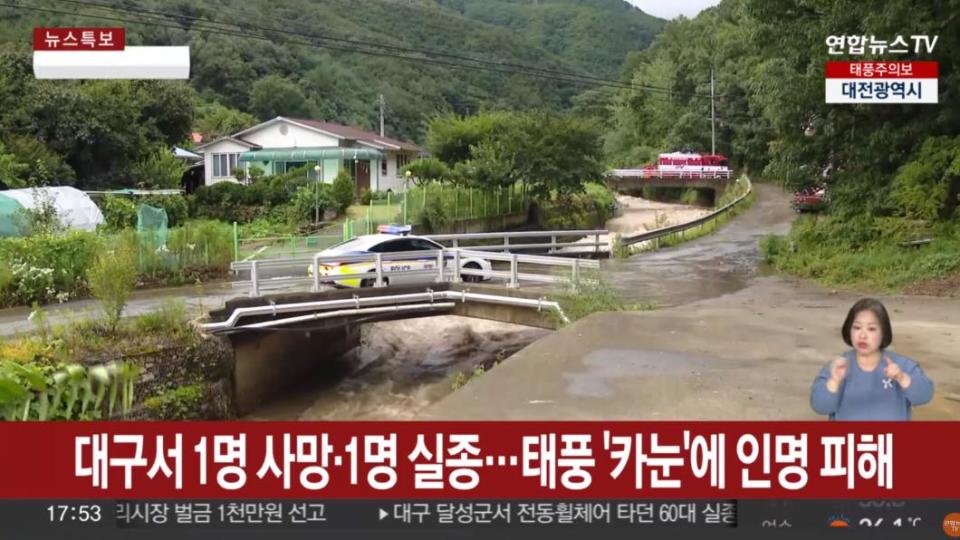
x,y
329,60
595,35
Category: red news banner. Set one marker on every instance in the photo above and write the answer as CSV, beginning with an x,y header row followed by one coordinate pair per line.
x,y
479,460
79,39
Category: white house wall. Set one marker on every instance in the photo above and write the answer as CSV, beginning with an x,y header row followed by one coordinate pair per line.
x,y
296,137
222,147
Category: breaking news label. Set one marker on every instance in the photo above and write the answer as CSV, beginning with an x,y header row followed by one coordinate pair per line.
x,y
102,53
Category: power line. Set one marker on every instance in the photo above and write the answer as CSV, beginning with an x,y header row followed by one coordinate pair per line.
x,y
215,27
222,32
368,44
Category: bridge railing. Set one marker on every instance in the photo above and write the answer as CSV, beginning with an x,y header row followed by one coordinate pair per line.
x,y
306,270
629,240
521,240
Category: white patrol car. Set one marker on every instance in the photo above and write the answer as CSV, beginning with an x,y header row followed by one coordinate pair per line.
x,y
392,239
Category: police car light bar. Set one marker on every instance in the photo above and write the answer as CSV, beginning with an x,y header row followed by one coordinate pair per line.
x,y
394,229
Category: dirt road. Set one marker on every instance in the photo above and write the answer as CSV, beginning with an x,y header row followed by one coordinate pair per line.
x,y
731,345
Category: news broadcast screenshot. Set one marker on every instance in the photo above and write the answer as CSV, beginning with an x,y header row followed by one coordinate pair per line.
x,y
430,269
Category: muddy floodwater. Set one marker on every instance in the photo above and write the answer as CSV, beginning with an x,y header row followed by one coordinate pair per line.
x,y
399,368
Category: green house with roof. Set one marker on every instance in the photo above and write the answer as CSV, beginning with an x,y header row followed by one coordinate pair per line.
x,y
276,146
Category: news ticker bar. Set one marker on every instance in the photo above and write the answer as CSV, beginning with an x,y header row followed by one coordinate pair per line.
x,y
745,518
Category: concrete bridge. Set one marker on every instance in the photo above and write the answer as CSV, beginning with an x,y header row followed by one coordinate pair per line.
x,y
627,180
279,339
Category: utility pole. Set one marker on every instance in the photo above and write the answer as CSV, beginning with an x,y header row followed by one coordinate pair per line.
x,y
713,119
381,115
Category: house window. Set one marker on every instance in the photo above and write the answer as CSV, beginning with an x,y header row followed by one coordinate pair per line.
x,y
224,164
383,167
402,160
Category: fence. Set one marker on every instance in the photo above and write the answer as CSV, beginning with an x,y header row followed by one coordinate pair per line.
x,y
445,202
295,272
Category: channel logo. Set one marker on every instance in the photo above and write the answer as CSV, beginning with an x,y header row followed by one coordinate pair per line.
x,y
951,525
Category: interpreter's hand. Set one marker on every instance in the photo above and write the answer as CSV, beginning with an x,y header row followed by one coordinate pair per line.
x,y
893,372
838,371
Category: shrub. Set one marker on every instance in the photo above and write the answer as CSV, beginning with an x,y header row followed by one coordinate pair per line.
x,y
201,243
229,201
308,199
181,403
112,277
433,217
42,219
175,205
160,169
119,212
343,191
44,268
585,210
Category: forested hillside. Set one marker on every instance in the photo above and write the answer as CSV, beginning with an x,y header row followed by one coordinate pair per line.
x,y
769,58
595,35
892,172
257,59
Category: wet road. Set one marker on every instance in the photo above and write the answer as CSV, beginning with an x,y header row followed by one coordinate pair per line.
x,y
719,263
198,300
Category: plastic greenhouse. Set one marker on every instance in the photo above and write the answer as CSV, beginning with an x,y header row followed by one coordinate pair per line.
x,y
74,208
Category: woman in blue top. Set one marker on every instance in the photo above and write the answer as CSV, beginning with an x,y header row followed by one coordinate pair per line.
x,y
869,382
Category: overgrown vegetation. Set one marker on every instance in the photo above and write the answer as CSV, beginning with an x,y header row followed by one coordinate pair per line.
x,y
112,278
71,392
591,294
882,168
181,403
68,371
865,253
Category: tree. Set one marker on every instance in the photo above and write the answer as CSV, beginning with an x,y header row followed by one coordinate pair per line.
x,y
160,170
10,169
214,120
274,96
928,187
343,190
41,166
428,169
554,153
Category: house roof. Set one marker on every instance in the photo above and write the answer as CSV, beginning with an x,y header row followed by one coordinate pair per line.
x,y
359,135
339,131
227,138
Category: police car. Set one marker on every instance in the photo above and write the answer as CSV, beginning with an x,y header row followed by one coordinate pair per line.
x,y
391,239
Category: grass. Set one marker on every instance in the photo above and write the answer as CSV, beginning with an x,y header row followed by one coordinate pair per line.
x,y
86,340
863,255
379,213
592,295
461,379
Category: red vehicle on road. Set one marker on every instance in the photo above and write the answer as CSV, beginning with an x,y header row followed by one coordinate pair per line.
x,y
811,199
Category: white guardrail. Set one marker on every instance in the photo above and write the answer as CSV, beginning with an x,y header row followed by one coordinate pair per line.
x,y
297,270
506,237
371,305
